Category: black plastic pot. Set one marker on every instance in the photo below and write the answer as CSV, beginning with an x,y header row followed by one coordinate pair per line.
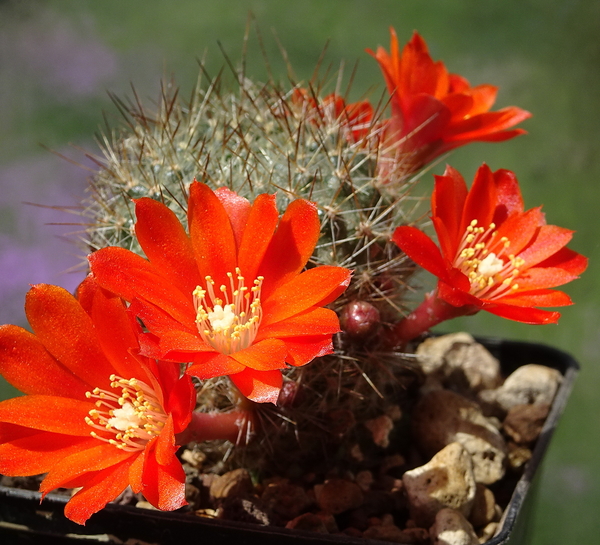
x,y
23,519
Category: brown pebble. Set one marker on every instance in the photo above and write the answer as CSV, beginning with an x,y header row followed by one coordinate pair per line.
x,y
488,532
232,483
364,479
329,522
352,532
416,535
523,423
484,506
380,429
338,495
385,533
285,500
392,464
309,522
518,456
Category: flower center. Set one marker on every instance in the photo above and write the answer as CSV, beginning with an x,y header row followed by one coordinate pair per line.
x,y
484,259
228,320
132,413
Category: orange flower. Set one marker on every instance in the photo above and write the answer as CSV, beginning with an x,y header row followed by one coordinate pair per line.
x,y
94,415
494,255
355,118
230,298
434,111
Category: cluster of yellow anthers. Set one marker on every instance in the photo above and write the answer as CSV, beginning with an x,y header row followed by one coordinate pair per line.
x,y
134,416
480,258
229,323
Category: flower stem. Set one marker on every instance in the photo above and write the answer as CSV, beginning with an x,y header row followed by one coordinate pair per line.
x,y
430,312
235,426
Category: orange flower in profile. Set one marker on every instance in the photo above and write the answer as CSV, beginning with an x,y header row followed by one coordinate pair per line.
x,y
355,118
95,416
434,111
230,298
493,255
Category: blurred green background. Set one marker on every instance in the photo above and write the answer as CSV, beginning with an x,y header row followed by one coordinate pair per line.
x,y
58,58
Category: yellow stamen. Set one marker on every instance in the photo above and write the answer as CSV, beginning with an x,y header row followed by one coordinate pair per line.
x,y
230,323
484,260
132,414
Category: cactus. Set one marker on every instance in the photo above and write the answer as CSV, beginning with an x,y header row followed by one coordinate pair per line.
x,y
261,138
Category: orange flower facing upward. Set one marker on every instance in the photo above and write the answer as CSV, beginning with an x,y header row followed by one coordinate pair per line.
x,y
434,111
94,416
493,255
230,298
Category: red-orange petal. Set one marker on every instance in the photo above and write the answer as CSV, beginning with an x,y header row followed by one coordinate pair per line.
x,y
131,276
39,452
103,487
447,203
212,234
260,227
549,240
314,287
456,290
485,124
180,398
136,472
544,277
459,104
534,316
181,346
98,457
318,321
26,364
207,365
484,97
481,201
265,355
166,244
421,249
238,210
302,350
49,413
509,199
116,330
493,137
160,322
165,447
568,260
291,246
520,229
67,332
259,386
424,121
537,298
164,479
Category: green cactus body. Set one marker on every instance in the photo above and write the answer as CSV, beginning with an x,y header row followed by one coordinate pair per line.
x,y
258,139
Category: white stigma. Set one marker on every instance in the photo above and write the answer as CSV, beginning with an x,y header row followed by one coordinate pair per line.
x,y
125,418
221,317
490,265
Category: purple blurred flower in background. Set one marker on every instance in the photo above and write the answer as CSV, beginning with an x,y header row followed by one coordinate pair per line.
x,y
31,250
